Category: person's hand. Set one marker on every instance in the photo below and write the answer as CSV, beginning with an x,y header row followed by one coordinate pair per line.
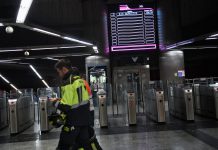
x,y
54,99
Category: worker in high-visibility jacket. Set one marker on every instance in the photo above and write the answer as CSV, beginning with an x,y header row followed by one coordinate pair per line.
x,y
74,103
93,140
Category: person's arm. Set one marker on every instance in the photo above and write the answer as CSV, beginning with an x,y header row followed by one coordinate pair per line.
x,y
62,107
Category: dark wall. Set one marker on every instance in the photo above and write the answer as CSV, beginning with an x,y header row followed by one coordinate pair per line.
x,y
185,19
201,63
169,21
198,17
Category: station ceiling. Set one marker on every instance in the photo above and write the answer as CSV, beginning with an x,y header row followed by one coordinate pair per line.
x,y
83,20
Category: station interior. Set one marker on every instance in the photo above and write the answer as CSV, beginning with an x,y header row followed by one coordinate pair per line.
x,y
151,66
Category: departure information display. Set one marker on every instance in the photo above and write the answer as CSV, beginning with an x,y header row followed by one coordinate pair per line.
x,y
132,29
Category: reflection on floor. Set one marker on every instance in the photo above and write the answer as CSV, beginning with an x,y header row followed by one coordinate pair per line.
x,y
162,140
147,135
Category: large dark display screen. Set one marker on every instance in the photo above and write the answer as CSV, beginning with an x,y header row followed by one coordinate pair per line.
x,y
132,28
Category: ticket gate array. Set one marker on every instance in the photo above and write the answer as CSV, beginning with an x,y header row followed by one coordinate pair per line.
x,y
155,105
206,100
3,110
45,107
181,102
21,111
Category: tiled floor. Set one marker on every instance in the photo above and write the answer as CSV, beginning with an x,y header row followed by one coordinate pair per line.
x,y
147,135
162,140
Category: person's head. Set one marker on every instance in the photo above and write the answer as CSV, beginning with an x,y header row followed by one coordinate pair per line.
x,y
63,66
83,76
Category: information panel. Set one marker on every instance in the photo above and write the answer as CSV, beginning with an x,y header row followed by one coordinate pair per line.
x,y
132,29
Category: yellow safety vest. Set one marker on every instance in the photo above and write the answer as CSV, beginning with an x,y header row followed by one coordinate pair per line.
x,y
74,93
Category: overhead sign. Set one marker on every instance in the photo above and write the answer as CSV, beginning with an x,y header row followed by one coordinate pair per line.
x,y
132,29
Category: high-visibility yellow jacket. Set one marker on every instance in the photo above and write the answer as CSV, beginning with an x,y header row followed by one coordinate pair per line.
x,y
74,102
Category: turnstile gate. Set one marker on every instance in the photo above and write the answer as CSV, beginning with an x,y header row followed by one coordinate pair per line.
x,y
155,105
197,103
103,118
3,110
45,106
131,107
206,100
21,111
181,102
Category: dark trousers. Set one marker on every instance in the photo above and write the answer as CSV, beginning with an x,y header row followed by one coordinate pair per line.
x,y
93,139
74,139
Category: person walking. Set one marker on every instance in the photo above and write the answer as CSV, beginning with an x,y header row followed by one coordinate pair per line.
x,y
74,104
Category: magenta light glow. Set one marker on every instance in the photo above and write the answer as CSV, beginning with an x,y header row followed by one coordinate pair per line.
x,y
134,47
126,7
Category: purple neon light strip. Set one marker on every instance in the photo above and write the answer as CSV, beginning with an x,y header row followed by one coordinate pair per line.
x,y
137,47
125,7
133,46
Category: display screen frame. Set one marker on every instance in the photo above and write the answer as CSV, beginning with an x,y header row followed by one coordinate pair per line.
x,y
115,8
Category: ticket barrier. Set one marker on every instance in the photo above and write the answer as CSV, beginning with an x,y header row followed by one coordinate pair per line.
x,y
103,118
206,100
155,105
181,102
131,107
3,110
45,107
21,111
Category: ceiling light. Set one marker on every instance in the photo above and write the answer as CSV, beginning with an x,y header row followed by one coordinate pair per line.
x,y
9,60
71,46
189,48
207,47
95,48
180,44
1,24
11,50
211,38
45,83
81,55
15,88
214,35
170,47
50,58
78,41
4,79
40,77
23,10
10,83
44,48
46,32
